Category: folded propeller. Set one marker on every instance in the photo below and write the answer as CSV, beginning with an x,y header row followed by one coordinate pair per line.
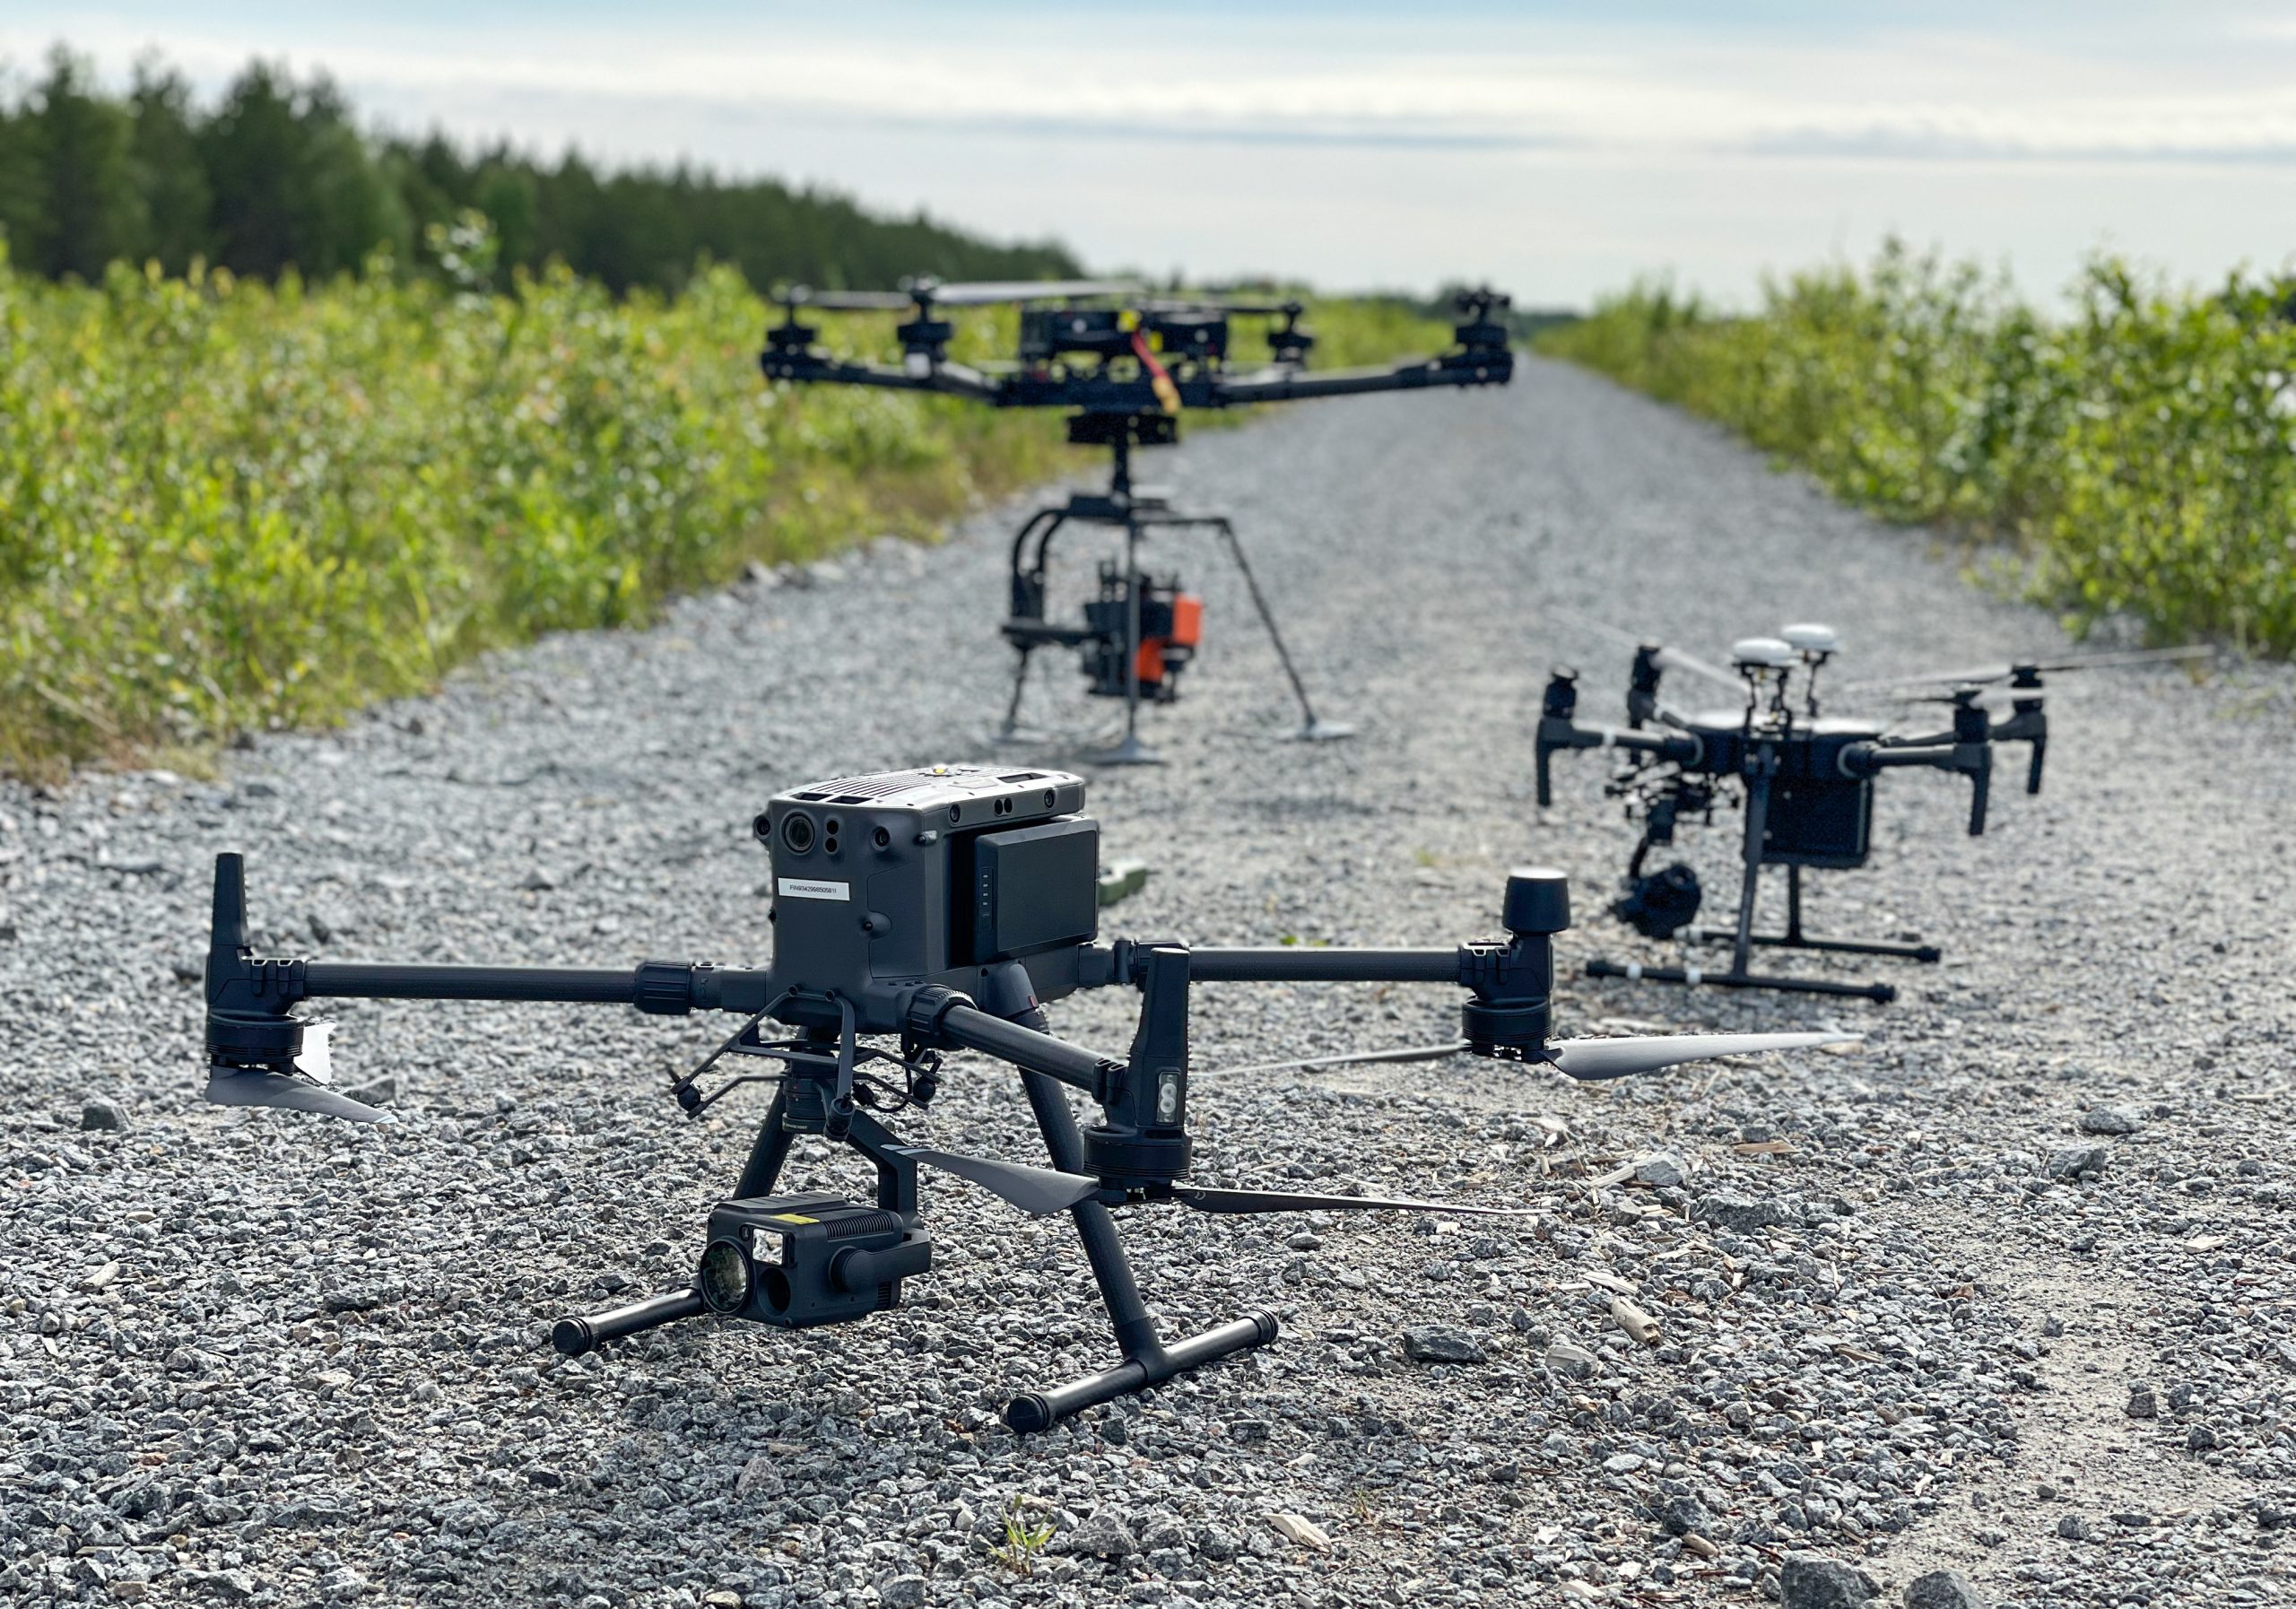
x,y
1038,1191
1589,1060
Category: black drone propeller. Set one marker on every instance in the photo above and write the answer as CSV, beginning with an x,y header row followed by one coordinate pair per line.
x,y
1589,1060
2006,670
1038,1191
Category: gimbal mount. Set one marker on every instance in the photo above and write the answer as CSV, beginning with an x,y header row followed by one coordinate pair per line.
x,y
938,908
1125,366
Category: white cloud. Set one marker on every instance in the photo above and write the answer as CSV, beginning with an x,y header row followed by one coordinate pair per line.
x,y
1359,152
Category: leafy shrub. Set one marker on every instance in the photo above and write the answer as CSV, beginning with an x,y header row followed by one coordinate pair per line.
x,y
2142,451
225,504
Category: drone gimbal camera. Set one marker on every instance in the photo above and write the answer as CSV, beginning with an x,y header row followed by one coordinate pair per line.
x,y
1805,779
937,909
1125,365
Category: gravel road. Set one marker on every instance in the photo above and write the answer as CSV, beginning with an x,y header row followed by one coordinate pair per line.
x,y
2008,1291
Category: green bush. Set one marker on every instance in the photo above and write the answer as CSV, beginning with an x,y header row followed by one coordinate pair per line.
x,y
225,505
2142,451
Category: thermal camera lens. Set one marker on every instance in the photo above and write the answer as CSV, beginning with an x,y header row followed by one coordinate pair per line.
x,y
723,1279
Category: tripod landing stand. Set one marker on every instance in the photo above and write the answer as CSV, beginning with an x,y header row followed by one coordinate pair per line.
x,y
1145,673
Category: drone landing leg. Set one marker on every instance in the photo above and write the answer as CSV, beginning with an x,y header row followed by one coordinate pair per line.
x,y
1794,938
1881,994
1311,730
1147,1361
1011,728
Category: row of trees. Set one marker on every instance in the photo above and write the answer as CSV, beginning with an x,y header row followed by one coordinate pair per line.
x,y
278,175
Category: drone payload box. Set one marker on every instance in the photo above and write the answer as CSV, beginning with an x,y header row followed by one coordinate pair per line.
x,y
938,875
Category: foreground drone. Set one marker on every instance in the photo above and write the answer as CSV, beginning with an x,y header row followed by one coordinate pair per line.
x,y
1124,364
936,909
1806,780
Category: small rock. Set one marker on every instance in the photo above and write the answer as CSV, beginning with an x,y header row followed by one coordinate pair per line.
x,y
758,1473
537,880
1943,1589
100,1112
902,1592
1661,1169
1813,1581
379,1092
1103,1535
1434,1343
1685,1516
2142,1404
1252,1433
2075,1528
1216,1544
1565,1357
1300,1529
2110,1120
2069,1162
1622,1463
1740,1214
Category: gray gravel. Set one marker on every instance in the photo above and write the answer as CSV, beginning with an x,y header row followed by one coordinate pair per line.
x,y
2013,1299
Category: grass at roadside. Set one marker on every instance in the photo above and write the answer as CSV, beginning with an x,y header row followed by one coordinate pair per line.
x,y
2140,450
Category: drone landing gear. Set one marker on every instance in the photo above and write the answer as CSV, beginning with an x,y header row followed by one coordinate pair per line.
x,y
1881,994
799,1107
1147,1361
1137,512
1744,939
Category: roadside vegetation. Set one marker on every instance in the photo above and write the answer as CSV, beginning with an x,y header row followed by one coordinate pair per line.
x,y
227,504
2138,451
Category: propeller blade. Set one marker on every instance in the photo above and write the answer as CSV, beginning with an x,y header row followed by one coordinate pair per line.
x,y
235,1086
1676,659
1412,1053
1205,1198
1670,658
1036,1191
2000,671
982,292
1620,1058
849,301
1992,698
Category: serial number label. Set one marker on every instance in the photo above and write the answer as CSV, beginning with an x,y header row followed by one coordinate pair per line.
x,y
804,888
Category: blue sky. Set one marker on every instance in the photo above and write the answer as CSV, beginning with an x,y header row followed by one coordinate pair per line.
x,y
1557,148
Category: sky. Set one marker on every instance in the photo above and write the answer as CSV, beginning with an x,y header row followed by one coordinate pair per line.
x,y
1558,151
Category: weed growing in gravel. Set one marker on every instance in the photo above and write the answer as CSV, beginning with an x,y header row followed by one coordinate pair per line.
x,y
2142,451
1024,1543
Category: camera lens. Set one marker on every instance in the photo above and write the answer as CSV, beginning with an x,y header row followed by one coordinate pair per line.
x,y
797,832
724,1277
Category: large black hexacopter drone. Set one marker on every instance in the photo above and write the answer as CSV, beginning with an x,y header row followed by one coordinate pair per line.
x,y
1124,364
935,910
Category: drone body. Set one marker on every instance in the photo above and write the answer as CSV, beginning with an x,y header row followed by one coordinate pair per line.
x,y
1125,366
1805,779
938,908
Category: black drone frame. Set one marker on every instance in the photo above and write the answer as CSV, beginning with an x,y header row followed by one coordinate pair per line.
x,y
1125,366
1806,794
1034,879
